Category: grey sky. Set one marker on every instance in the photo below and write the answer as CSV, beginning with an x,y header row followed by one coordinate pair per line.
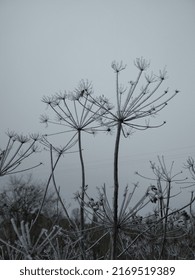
x,y
48,45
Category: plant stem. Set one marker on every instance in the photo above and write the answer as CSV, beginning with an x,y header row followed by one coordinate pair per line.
x,y
82,222
116,188
166,218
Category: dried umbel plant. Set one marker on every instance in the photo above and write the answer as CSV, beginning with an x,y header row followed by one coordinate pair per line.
x,y
16,151
59,152
133,111
77,233
75,119
190,165
100,213
161,193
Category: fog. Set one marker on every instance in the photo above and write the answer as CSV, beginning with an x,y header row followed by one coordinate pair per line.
x,y
49,46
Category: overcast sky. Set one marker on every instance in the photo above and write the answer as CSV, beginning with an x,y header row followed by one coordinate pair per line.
x,y
50,45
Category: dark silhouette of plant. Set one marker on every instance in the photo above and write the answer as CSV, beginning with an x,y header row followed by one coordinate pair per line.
x,y
77,236
16,151
100,213
60,152
35,225
132,106
75,119
161,194
190,165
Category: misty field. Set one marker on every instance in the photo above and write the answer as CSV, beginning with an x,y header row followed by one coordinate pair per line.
x,y
36,224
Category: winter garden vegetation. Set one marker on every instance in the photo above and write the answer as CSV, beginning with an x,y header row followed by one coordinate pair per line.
x,y
36,224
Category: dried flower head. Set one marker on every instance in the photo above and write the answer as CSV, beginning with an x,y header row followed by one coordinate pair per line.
x,y
35,136
141,63
163,74
150,78
22,138
62,96
118,66
11,134
44,119
84,88
48,100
